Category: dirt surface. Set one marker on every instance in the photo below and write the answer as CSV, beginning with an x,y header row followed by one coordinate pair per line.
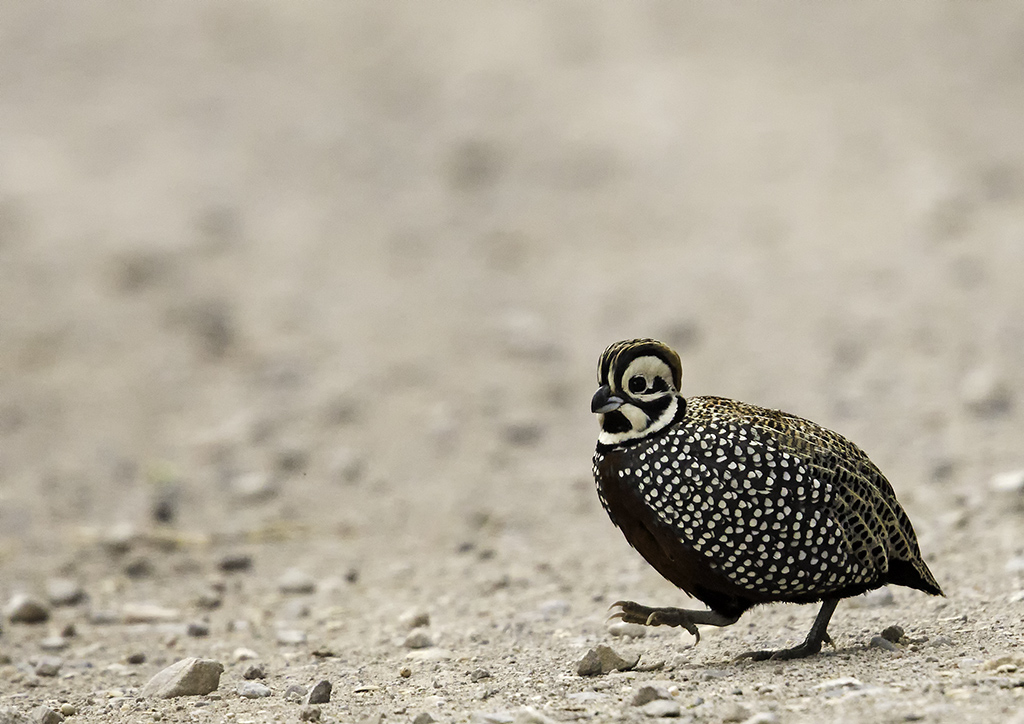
x,y
321,287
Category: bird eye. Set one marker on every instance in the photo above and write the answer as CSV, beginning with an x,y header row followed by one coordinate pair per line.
x,y
637,384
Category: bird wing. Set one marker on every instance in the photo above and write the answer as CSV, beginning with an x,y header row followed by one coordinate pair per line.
x,y
774,503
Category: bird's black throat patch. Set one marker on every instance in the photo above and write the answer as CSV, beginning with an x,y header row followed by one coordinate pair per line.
x,y
615,421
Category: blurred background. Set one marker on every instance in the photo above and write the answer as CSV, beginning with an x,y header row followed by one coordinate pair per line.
x,y
348,267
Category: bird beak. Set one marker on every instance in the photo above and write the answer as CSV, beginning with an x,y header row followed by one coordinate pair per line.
x,y
604,401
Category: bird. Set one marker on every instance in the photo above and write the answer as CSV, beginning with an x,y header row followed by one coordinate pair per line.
x,y
740,505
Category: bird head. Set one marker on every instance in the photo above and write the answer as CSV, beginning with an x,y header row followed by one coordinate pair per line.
x,y
638,390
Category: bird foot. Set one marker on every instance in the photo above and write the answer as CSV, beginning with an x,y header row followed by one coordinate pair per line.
x,y
808,648
632,612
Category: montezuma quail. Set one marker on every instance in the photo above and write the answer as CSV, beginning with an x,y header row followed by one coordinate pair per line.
x,y
740,505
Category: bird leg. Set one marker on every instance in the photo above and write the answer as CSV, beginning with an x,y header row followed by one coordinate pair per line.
x,y
632,612
811,645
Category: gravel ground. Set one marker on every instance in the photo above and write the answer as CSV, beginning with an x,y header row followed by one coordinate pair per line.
x,y
299,310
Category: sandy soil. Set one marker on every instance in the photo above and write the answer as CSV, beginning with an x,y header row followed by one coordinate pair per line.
x,y
325,283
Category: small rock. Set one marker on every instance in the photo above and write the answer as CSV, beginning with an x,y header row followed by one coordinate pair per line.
x,y
138,567
893,633
209,599
405,672
880,642
627,630
414,618
529,715
603,660
235,562
423,718
295,581
649,693
244,654
763,717
1009,482
48,666
835,687
290,637
253,690
53,643
873,599
23,608
494,717
418,638
295,692
64,592
136,658
148,613
43,714
254,671
736,712
479,674
320,693
661,708
188,677
68,709
198,629
941,640
69,631
309,713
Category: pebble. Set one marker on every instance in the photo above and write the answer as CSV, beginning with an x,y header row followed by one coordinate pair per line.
x,y
23,608
48,666
198,629
244,654
235,562
68,709
137,657
479,674
53,643
64,592
320,693
423,718
604,660
290,636
763,717
414,618
893,633
309,713
418,638
296,581
43,714
661,708
1008,482
880,642
254,671
941,640
295,692
496,717
148,613
627,630
253,690
529,715
649,693
188,677
835,687
209,599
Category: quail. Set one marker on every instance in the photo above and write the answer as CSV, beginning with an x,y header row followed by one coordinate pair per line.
x,y
740,505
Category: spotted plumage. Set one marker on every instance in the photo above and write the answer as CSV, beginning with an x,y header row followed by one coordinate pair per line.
x,y
740,505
